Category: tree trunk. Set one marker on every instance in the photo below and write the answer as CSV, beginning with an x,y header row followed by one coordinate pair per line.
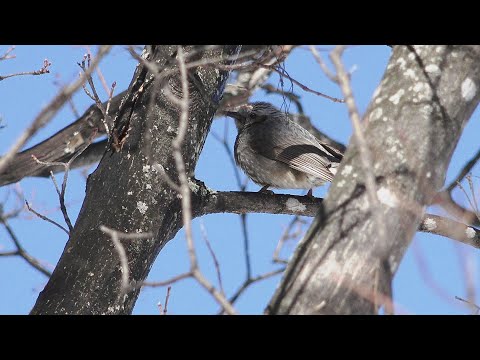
x,y
126,194
412,127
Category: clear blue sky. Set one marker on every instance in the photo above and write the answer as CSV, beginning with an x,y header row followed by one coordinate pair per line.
x,y
416,290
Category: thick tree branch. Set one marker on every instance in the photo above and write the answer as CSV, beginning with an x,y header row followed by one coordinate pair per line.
x,y
136,199
412,127
207,201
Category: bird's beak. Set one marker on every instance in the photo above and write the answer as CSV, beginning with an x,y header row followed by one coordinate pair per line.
x,y
233,114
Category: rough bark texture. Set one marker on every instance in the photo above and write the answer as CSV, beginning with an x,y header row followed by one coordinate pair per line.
x,y
412,127
126,194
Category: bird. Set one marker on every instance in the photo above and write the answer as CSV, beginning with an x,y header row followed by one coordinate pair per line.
x,y
276,152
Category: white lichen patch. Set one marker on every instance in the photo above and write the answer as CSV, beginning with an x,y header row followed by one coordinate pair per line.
x,y
130,193
395,99
341,183
470,233
387,197
129,156
419,86
142,207
376,114
347,170
423,91
148,186
430,224
429,175
146,168
432,69
469,89
68,150
401,62
294,205
409,73
439,49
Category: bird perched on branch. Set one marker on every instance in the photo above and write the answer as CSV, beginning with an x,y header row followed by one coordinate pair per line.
x,y
276,152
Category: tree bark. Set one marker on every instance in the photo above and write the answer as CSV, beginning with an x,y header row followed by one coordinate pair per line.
x,y
412,127
126,194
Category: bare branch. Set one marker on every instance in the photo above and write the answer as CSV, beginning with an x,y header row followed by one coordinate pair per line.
x,y
20,251
44,70
302,86
43,217
170,281
122,254
51,109
208,201
465,170
250,282
167,297
475,307
214,257
106,117
61,193
6,55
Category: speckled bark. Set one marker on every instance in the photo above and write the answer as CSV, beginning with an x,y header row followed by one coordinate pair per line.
x,y
124,193
412,126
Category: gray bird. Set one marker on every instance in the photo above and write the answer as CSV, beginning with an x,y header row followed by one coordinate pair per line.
x,y
276,152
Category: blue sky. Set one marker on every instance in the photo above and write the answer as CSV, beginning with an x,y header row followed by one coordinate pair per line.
x,y
416,290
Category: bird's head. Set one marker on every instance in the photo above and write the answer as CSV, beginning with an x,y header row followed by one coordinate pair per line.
x,y
248,114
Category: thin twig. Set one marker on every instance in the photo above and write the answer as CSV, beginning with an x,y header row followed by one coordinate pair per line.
x,y
365,156
251,281
214,257
161,171
6,55
470,201
170,281
472,191
470,304
100,76
185,193
287,235
167,297
242,187
270,89
43,217
464,172
21,251
61,192
122,254
44,70
84,65
322,64
302,86
75,112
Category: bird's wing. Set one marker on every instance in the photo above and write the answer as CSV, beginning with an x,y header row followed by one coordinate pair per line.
x,y
302,153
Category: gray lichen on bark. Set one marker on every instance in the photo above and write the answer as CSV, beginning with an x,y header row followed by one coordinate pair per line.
x,y
412,126
126,194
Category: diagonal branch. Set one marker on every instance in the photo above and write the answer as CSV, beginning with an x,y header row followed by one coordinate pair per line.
x,y
50,110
